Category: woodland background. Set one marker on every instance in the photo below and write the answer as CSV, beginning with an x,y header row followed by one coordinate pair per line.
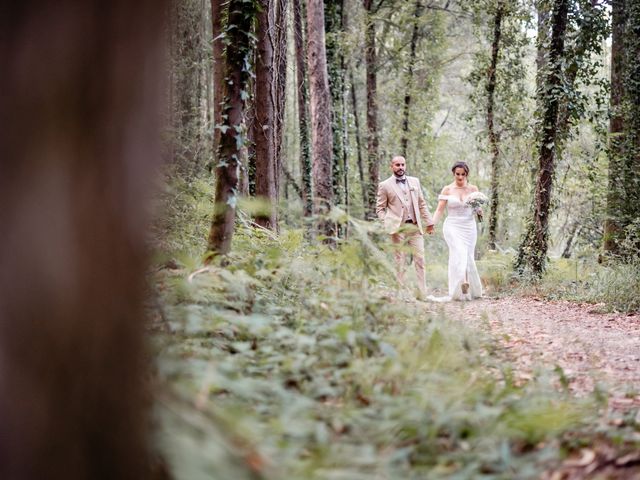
x,y
192,285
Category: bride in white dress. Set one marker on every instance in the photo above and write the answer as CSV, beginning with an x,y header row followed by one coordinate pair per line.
x,y
460,233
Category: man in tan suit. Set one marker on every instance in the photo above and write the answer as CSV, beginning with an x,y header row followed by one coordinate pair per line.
x,y
401,207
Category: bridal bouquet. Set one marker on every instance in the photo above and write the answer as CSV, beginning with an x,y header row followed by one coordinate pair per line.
x,y
475,200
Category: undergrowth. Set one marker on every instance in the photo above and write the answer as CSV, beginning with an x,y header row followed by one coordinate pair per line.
x,y
298,361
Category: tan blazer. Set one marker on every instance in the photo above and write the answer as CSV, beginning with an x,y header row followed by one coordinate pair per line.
x,y
390,202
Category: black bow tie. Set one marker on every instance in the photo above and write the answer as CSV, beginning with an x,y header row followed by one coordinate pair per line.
x,y
401,180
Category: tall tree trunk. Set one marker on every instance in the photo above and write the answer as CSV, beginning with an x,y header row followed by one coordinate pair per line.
x,y
301,70
335,61
631,149
404,141
372,109
493,137
264,121
615,194
533,250
236,79
188,65
573,233
322,144
78,132
280,84
218,71
543,10
356,121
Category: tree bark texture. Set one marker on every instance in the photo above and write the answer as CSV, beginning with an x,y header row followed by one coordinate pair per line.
x,y
280,82
188,64
615,194
356,121
493,137
335,66
631,215
301,82
217,10
533,250
321,137
543,11
78,142
236,79
264,121
404,141
372,109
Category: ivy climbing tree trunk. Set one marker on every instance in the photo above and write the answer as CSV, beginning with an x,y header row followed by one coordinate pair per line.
x,y
264,121
372,109
217,11
615,193
280,84
78,142
533,249
493,137
631,147
335,66
301,82
322,141
238,53
404,141
356,122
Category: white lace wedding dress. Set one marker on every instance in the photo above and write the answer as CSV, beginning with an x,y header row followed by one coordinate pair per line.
x,y
460,233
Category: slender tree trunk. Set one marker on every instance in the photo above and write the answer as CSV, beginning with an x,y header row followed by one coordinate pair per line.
x,y
238,52
573,233
265,112
533,250
335,60
493,137
616,126
188,64
218,71
404,141
631,148
372,109
356,121
322,144
78,142
280,84
301,70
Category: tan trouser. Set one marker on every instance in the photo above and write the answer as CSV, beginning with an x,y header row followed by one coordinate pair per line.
x,y
409,236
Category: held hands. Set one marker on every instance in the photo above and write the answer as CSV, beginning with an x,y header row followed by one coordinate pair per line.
x,y
430,229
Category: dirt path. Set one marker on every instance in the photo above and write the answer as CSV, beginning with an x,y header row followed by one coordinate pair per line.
x,y
592,348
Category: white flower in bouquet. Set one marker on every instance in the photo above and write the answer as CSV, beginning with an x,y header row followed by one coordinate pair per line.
x,y
475,200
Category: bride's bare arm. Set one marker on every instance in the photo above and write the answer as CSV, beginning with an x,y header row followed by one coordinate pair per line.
x,y
440,209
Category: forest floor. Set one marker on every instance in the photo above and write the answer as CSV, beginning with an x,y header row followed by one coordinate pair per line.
x,y
592,348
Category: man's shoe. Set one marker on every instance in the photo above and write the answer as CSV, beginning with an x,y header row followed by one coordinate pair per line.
x,y
465,288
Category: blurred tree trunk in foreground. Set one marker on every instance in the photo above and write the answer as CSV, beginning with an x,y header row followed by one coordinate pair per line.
x,y
77,141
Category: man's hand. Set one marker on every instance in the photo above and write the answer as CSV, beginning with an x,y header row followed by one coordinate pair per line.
x,y
430,229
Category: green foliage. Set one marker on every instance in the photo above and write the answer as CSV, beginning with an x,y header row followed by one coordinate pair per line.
x,y
299,361
610,286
